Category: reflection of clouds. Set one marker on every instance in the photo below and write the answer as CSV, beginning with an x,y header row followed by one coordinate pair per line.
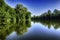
x,y
19,31
40,30
12,36
36,30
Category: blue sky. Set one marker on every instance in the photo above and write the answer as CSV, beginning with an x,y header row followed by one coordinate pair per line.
x,y
36,7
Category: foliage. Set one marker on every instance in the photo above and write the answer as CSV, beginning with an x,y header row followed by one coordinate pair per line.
x,y
48,15
49,18
13,19
9,14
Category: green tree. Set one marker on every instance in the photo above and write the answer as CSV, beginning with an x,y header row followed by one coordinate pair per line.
x,y
49,12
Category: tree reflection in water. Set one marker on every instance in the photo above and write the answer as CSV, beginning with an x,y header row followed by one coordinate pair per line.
x,y
49,23
20,28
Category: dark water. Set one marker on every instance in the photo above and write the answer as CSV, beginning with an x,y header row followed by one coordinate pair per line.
x,y
35,31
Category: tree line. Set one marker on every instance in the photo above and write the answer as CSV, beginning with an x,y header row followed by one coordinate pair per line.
x,y
55,15
49,19
9,14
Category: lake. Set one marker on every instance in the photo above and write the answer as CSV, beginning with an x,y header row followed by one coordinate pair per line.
x,y
36,31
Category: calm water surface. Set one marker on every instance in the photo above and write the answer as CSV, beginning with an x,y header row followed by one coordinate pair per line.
x,y
36,31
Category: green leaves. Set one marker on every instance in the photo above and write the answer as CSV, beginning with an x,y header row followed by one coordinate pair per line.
x,y
13,19
21,12
17,14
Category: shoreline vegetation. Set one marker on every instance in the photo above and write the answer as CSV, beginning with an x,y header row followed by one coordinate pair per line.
x,y
16,15
55,15
13,19
21,15
18,19
49,19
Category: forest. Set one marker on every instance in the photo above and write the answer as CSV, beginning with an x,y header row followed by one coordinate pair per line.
x,y
19,19
55,15
13,19
21,15
9,14
48,19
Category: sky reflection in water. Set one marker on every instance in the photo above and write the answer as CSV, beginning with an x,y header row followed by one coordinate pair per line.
x,y
36,31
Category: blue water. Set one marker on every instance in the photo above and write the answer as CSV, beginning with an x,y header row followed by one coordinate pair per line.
x,y
35,32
